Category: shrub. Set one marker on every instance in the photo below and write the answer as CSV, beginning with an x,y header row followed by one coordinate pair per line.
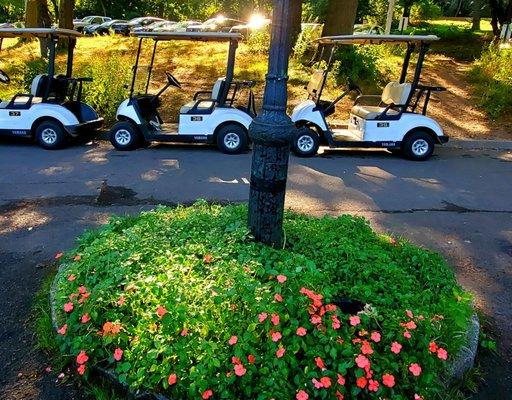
x,y
183,302
491,76
304,48
425,9
259,41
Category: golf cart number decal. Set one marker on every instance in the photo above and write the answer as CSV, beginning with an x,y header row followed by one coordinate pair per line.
x,y
383,125
14,113
196,119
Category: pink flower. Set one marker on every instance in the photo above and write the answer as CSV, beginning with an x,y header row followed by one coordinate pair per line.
x,y
330,307
71,277
81,369
317,383
442,354
275,319
281,278
355,320
302,395
375,337
396,347
240,370
411,325
415,369
184,332
336,324
207,394
319,363
82,289
233,340
278,297
121,301
315,319
58,256
280,352
172,379
373,386
118,354
262,317
161,311
409,314
82,357
235,360
366,348
78,257
251,359
388,380
63,329
85,318
68,307
417,397
276,336
341,380
362,361
301,331
326,381
432,347
407,335
208,258
339,396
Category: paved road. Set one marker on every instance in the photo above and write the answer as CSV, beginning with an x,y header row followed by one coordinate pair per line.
x,y
458,203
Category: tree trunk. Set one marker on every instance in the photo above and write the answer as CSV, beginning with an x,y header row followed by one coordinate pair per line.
x,y
66,13
476,15
37,15
341,16
295,21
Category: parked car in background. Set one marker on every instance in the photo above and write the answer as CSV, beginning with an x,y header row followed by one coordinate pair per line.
x,y
217,24
90,20
256,23
155,25
366,29
127,27
102,29
181,26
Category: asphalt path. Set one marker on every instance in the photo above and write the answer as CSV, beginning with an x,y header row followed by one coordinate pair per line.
x,y
458,203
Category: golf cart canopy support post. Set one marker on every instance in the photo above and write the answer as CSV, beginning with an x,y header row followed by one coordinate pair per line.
x,y
232,38
410,49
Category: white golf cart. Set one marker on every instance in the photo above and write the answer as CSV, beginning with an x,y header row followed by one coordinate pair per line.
x,y
53,111
211,117
395,120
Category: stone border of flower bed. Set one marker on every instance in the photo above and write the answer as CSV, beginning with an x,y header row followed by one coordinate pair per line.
x,y
459,365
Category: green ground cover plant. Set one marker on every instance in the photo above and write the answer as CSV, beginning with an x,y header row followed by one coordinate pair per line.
x,y
491,76
185,303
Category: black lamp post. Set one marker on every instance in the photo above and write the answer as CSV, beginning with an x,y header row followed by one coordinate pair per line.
x,y
272,132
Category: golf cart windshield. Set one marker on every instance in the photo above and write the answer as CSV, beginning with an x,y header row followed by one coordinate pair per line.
x,y
231,38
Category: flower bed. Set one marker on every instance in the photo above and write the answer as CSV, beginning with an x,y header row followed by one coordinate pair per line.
x,y
184,303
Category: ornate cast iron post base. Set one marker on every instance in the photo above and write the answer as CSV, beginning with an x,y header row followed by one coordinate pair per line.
x,y
272,132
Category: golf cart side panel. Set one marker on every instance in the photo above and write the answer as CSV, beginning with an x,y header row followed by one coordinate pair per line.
x,y
24,119
126,111
306,112
395,130
206,124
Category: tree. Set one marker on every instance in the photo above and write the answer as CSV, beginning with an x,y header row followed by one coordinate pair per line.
x,y
501,14
66,12
341,16
295,21
37,15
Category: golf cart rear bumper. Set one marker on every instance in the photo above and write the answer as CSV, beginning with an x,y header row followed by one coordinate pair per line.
x,y
443,139
75,130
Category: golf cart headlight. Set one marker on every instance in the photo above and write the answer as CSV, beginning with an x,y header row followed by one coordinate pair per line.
x,y
257,21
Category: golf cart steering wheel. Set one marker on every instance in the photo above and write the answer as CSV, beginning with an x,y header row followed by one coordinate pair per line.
x,y
172,80
4,78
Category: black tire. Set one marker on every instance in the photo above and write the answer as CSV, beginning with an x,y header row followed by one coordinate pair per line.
x,y
306,142
126,136
418,146
232,139
50,135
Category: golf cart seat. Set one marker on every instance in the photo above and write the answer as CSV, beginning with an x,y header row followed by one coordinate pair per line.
x,y
394,96
58,87
204,105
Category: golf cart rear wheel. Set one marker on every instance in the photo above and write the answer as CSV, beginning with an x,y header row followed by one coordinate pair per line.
x,y
232,139
306,142
419,146
125,136
50,135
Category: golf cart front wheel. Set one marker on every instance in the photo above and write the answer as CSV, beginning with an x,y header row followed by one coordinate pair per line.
x,y
125,136
50,135
306,142
232,139
419,146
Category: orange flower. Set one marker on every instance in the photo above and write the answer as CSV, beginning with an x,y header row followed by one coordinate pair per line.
x,y
208,258
68,307
366,348
172,379
388,380
207,394
116,328
81,369
326,381
78,257
71,277
250,359
82,357
301,331
330,307
82,289
320,363
415,369
121,301
361,382
85,318
161,311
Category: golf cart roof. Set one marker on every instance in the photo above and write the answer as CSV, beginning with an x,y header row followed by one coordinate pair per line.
x,y
201,36
38,33
375,39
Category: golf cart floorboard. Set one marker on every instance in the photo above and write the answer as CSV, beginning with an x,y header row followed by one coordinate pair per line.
x,y
345,135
